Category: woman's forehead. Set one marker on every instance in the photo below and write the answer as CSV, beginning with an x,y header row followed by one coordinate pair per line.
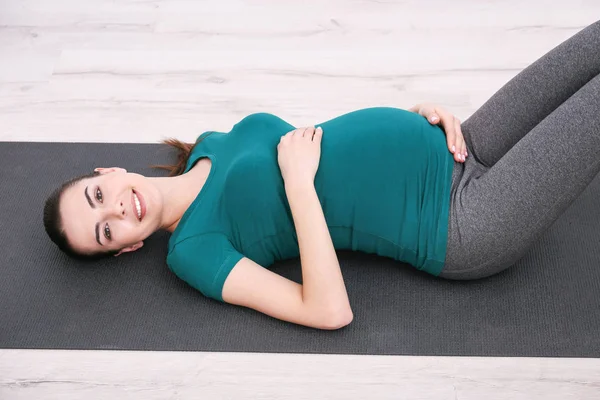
x,y
78,217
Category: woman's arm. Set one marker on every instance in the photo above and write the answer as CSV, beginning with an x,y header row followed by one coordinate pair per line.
x,y
323,283
254,286
321,301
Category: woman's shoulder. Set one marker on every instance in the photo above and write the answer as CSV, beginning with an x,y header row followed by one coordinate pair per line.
x,y
261,120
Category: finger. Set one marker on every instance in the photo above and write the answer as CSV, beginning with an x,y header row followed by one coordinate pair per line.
x,y
431,114
426,110
415,108
448,124
318,135
458,148
300,132
287,136
308,132
454,140
461,154
463,150
458,141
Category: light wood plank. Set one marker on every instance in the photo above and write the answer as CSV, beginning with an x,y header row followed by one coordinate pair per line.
x,y
181,375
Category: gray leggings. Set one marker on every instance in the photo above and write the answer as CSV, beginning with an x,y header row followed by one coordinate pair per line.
x,y
533,148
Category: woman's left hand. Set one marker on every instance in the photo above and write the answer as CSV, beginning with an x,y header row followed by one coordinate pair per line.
x,y
451,124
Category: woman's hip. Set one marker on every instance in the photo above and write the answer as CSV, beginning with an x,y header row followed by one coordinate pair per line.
x,y
476,247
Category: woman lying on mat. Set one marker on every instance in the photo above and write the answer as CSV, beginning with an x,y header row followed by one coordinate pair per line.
x,y
401,184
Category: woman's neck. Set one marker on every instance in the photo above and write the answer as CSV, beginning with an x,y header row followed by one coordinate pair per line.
x,y
179,192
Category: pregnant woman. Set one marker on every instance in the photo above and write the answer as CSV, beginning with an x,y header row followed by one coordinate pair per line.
x,y
455,201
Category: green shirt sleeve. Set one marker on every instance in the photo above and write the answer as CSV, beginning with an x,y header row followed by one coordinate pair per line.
x,y
204,262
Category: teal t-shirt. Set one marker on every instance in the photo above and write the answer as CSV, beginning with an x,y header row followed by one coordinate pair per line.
x,y
383,181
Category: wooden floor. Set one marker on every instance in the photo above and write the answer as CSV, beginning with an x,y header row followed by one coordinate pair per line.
x,y
143,70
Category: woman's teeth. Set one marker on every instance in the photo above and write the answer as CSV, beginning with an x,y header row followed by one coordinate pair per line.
x,y
137,206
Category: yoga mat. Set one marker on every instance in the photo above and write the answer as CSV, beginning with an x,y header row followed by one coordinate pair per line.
x,y
546,305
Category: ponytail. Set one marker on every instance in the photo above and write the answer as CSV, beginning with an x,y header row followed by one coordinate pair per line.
x,y
183,154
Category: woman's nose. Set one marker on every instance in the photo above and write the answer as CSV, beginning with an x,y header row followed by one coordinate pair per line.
x,y
116,211
120,209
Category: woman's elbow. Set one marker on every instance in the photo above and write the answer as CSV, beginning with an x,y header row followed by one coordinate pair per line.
x,y
339,320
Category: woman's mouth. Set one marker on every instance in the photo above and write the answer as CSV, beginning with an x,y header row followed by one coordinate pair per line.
x,y
139,206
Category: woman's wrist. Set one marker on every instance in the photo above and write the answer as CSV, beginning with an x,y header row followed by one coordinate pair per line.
x,y
298,185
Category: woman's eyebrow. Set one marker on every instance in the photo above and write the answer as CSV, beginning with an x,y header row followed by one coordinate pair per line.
x,y
87,196
98,234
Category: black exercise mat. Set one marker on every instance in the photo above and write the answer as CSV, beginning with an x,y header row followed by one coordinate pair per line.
x,y
546,305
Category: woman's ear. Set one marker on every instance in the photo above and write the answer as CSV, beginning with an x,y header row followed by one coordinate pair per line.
x,y
130,248
111,169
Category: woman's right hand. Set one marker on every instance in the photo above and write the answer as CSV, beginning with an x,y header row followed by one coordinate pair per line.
x,y
299,153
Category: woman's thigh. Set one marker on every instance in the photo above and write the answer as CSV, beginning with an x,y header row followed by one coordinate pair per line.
x,y
497,213
532,95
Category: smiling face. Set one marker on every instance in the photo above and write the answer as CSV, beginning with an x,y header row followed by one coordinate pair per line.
x,y
103,213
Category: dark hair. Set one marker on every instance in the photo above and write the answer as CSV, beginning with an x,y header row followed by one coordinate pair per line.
x,y
183,154
52,219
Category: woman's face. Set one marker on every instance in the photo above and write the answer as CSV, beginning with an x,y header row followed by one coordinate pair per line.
x,y
101,213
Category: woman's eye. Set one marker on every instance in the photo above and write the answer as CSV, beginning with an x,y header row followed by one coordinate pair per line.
x,y
99,195
107,231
